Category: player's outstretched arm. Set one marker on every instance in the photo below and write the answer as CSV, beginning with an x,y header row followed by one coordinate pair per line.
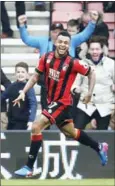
x,y
31,82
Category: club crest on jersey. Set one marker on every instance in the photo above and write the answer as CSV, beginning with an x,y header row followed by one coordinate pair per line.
x,y
65,67
48,61
54,74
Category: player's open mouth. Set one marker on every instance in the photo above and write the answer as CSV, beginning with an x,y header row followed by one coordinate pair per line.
x,y
61,49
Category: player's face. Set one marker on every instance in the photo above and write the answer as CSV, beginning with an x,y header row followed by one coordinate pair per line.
x,y
62,45
54,34
21,74
72,30
95,51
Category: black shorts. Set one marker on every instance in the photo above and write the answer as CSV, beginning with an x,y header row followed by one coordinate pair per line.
x,y
58,114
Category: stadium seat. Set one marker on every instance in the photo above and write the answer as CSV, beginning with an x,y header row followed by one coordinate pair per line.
x,y
67,6
112,54
109,18
111,44
111,35
95,6
63,17
65,25
112,47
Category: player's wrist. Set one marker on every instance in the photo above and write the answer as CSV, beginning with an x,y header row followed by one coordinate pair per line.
x,y
22,91
90,93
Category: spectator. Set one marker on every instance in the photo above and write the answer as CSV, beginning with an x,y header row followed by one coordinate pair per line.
x,y
47,44
109,6
6,29
101,27
100,106
73,28
100,30
5,82
23,116
40,6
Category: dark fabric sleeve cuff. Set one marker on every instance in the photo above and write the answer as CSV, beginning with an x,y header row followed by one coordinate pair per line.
x,y
39,72
73,91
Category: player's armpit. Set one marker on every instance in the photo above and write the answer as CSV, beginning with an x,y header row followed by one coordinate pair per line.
x,y
41,64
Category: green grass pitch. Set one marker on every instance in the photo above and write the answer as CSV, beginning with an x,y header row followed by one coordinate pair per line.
x,y
49,182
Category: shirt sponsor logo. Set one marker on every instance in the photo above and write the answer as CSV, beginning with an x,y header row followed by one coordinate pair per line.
x,y
54,74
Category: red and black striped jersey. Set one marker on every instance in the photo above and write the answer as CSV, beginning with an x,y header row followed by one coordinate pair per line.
x,y
60,74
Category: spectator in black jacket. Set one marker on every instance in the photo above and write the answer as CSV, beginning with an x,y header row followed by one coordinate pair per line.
x,y
109,6
6,28
5,82
20,117
101,28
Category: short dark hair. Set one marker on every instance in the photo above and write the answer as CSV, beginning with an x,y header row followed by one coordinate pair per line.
x,y
74,22
64,33
22,64
55,26
97,39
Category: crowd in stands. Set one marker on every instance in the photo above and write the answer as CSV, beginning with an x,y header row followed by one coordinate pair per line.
x,y
89,43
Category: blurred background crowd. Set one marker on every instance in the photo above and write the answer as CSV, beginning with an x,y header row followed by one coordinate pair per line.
x,y
29,29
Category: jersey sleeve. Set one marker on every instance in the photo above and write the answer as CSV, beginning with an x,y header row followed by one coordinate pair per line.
x,y
81,67
41,65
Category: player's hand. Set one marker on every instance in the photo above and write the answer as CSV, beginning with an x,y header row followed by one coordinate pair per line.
x,y
2,88
22,19
19,98
87,98
94,15
29,125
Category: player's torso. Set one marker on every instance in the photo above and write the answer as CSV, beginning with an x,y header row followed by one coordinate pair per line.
x,y
59,76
